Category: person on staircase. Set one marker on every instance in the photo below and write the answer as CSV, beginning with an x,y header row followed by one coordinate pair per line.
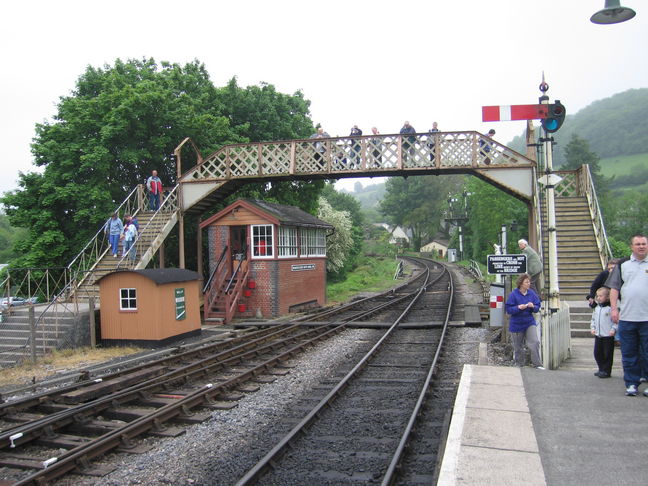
x,y
534,266
599,281
113,229
154,188
129,236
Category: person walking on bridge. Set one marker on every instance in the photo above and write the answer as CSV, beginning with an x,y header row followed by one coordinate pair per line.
x,y
408,142
628,285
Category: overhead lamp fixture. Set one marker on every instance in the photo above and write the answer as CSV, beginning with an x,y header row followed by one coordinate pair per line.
x,y
613,13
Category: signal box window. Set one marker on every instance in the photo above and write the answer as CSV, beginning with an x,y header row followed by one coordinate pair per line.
x,y
127,299
262,241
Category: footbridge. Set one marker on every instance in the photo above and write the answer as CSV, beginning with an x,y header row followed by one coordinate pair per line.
x,y
470,152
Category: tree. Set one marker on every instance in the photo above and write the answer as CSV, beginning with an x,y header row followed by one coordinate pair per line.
x,y
119,124
488,209
578,153
345,202
340,242
416,203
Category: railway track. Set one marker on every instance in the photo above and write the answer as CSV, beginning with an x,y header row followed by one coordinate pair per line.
x,y
359,432
49,434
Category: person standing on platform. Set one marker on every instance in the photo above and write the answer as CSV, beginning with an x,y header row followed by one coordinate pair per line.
x,y
113,230
599,281
603,330
154,187
534,265
521,304
628,285
408,143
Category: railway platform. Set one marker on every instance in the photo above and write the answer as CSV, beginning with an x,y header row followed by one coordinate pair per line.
x,y
515,426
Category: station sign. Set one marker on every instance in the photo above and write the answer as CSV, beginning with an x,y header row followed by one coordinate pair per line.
x,y
506,264
180,305
302,267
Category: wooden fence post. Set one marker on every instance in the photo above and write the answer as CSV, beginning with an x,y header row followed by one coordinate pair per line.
x,y
93,331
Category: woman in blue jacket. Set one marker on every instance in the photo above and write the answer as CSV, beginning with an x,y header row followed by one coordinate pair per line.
x,y
521,304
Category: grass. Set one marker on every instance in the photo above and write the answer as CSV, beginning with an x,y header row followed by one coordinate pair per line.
x,y
58,361
623,164
372,275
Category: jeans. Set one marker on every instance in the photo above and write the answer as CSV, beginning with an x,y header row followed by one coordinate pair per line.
x,y
114,243
530,335
129,249
154,201
633,336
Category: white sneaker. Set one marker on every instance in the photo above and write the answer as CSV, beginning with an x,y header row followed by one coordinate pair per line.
x,y
542,368
631,391
115,255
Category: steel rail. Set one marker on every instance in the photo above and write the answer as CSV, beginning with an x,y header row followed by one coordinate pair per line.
x,y
49,395
394,465
80,455
60,419
254,474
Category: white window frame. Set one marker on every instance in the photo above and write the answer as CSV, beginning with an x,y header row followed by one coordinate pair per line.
x,y
256,237
130,298
312,243
287,242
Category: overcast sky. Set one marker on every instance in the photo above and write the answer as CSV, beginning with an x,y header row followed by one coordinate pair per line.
x,y
364,62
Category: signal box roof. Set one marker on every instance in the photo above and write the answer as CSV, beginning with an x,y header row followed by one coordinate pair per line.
x,y
280,214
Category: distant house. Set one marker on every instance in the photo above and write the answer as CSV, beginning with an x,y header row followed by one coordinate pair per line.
x,y
399,236
437,247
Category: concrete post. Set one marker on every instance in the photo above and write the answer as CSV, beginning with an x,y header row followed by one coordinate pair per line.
x,y
32,334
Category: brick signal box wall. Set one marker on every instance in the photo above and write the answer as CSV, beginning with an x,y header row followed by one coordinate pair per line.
x,y
282,285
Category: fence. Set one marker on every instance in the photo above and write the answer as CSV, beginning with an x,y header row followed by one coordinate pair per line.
x,y
556,342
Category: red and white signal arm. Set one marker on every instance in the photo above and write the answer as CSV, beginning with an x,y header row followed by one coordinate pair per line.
x,y
514,112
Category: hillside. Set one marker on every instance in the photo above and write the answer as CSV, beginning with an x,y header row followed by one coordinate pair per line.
x,y
614,126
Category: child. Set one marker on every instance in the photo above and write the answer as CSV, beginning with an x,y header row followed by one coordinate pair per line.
x,y
603,330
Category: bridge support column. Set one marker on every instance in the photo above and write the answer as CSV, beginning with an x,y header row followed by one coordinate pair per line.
x,y
181,242
199,252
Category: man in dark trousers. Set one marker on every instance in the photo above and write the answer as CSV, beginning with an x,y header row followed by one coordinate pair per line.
x,y
154,187
628,285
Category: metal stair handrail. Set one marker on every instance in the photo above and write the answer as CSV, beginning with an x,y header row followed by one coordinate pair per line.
x,y
588,189
169,206
216,268
87,259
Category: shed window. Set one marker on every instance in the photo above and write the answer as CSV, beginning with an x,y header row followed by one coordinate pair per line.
x,y
262,241
127,299
287,241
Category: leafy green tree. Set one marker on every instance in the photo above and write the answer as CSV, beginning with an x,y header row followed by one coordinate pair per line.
x,y
8,235
488,209
339,244
119,124
627,215
578,153
341,201
416,203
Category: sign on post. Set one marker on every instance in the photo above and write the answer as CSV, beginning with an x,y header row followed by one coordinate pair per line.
x,y
180,308
506,264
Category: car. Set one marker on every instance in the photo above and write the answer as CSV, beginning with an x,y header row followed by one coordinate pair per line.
x,y
13,301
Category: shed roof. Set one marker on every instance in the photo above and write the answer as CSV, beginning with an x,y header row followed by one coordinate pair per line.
x,y
162,275
282,214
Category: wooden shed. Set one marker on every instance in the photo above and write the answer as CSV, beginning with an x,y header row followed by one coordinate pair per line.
x,y
264,258
149,307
